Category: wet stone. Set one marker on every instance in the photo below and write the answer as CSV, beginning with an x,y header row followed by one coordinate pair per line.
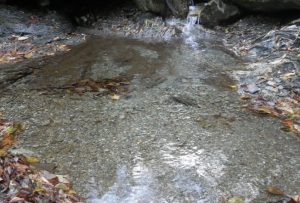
x,y
271,83
251,88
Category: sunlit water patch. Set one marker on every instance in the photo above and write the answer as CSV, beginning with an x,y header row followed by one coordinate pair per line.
x,y
209,166
132,186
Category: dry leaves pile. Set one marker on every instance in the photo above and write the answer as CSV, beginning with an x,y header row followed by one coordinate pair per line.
x,y
115,87
14,56
31,51
288,199
21,182
287,109
271,190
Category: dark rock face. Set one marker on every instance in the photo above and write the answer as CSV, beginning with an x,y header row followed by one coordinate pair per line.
x,y
267,5
155,6
177,8
216,11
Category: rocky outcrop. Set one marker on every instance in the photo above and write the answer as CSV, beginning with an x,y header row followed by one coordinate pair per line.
x,y
177,8
155,6
267,5
216,12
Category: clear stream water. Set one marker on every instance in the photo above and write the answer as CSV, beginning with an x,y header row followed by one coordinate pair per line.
x,y
179,135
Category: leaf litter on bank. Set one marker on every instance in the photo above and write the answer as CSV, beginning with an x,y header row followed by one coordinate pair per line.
x,y
20,181
288,198
287,109
274,190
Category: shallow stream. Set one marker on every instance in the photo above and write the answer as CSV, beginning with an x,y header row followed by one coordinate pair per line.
x,y
177,135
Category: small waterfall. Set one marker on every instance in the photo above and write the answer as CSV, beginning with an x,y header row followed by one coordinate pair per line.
x,y
190,28
193,16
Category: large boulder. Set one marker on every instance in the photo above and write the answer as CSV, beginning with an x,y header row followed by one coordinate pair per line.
x,y
177,8
155,6
267,5
216,12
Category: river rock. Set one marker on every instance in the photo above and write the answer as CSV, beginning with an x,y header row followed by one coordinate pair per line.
x,y
267,5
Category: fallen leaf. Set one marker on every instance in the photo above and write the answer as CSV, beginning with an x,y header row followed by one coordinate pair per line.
x,y
56,38
3,153
115,97
244,97
244,106
264,110
63,47
274,191
288,75
21,167
32,160
63,179
50,53
7,141
15,128
17,200
72,192
62,186
296,199
39,190
288,123
235,200
23,38
28,55
285,129
232,87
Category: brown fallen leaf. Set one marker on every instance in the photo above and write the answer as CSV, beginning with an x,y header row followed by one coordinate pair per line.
x,y
234,87
244,106
16,200
274,191
63,47
236,200
244,97
223,200
288,75
21,167
264,110
288,123
7,141
28,55
296,199
50,54
3,153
